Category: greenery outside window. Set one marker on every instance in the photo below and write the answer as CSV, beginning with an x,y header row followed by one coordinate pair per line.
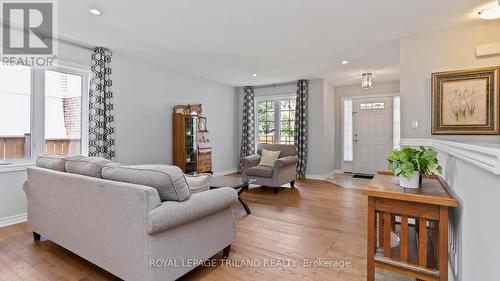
x,y
276,120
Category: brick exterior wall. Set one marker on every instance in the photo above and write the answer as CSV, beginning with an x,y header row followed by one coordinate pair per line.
x,y
72,116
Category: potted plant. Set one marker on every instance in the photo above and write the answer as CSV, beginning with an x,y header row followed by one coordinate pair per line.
x,y
409,164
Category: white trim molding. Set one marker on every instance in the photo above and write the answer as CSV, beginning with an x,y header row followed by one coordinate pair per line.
x,y
13,219
482,155
321,177
225,172
15,167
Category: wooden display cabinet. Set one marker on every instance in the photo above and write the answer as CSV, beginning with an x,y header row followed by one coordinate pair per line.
x,y
186,152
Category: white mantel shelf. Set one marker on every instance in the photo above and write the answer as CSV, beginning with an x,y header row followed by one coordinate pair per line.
x,y
483,155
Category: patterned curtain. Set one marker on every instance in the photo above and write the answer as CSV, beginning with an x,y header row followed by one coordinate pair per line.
x,y
248,127
101,115
301,125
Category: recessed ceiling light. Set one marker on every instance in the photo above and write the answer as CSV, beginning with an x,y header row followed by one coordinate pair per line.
x,y
490,12
94,11
344,62
254,75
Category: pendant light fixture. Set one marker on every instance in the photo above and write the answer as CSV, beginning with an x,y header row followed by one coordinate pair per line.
x,y
490,12
366,80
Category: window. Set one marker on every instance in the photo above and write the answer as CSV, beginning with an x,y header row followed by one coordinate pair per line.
x,y
40,112
266,121
287,121
276,120
15,112
63,111
396,130
348,146
372,105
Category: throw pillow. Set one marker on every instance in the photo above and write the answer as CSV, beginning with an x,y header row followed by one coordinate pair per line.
x,y
269,157
87,166
52,162
199,183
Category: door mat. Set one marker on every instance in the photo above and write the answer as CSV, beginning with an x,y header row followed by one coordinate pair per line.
x,y
363,176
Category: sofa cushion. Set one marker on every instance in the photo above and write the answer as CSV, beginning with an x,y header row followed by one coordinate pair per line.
x,y
269,157
198,183
168,180
52,162
87,166
260,171
173,214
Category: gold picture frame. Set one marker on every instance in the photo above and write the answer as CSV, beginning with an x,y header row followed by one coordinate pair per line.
x,y
465,102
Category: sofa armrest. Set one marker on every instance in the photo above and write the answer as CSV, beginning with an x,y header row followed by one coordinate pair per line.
x,y
172,214
287,160
250,161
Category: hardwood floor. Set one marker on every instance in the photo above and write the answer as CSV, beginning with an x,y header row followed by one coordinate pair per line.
x,y
315,221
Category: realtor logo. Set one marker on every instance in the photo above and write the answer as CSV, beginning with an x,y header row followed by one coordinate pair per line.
x,y
28,29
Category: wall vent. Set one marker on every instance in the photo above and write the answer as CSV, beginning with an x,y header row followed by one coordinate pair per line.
x,y
488,50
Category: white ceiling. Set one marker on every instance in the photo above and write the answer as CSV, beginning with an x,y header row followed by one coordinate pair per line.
x,y
280,40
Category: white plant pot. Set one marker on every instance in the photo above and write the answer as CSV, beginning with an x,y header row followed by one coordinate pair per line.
x,y
413,182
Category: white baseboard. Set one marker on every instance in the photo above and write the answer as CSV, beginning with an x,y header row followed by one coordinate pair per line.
x,y
225,172
13,219
321,177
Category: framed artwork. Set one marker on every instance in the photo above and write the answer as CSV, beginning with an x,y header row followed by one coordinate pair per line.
x,y
202,124
465,102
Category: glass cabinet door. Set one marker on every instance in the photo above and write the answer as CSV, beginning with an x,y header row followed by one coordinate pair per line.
x,y
191,147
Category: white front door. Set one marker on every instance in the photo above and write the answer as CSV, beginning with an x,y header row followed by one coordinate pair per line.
x,y
372,129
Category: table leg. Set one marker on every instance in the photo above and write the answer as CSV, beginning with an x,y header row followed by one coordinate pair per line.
x,y
243,189
443,243
370,249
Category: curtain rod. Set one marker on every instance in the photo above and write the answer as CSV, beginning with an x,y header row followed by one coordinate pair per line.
x,y
275,85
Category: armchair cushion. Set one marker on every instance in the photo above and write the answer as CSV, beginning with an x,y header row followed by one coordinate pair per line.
x,y
260,171
172,214
287,160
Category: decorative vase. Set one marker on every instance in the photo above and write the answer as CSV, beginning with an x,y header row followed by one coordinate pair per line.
x,y
413,182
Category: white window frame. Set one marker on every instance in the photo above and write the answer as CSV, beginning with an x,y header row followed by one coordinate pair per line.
x,y
37,114
347,132
396,122
276,99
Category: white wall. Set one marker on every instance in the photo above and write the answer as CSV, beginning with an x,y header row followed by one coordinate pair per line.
x,y
449,50
144,96
320,161
475,222
379,88
12,198
477,190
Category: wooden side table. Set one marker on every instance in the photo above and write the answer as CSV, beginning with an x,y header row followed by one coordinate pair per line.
x,y
423,249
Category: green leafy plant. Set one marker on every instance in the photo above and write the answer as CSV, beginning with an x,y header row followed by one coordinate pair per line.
x,y
409,160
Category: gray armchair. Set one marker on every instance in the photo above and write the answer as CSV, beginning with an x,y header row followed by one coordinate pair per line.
x,y
283,171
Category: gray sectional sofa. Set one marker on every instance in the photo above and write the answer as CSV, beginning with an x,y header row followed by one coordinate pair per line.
x,y
114,216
